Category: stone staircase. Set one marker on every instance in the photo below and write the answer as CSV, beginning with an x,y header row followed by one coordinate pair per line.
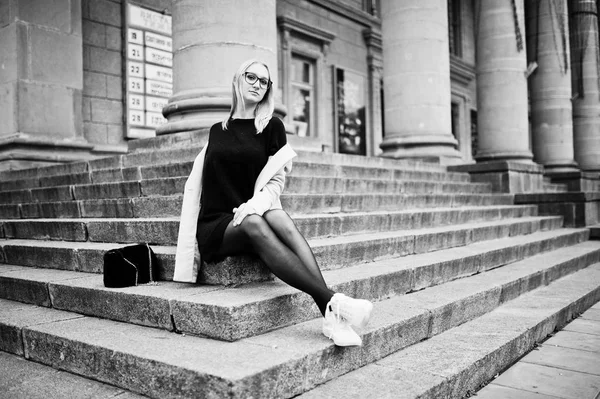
x,y
464,282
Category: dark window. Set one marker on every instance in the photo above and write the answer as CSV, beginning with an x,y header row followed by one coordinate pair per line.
x,y
455,27
382,107
371,7
455,118
303,95
473,133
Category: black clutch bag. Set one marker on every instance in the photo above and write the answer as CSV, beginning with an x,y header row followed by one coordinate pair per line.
x,y
129,266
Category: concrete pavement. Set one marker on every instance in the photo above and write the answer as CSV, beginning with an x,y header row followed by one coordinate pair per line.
x,y
566,366
22,379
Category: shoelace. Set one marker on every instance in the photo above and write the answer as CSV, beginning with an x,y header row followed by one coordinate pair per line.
x,y
337,317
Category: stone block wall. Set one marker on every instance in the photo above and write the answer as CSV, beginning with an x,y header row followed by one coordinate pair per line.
x,y
41,81
103,71
35,74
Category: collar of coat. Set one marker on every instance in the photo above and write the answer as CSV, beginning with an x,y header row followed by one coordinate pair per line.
x,y
187,256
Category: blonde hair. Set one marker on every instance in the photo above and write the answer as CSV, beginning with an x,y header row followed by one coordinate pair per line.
x,y
264,109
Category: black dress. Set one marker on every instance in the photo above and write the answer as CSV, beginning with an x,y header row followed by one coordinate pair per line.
x,y
234,159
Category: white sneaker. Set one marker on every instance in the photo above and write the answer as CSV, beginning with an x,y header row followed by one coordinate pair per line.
x,y
338,330
357,312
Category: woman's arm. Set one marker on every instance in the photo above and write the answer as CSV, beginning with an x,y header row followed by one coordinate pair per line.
x,y
263,199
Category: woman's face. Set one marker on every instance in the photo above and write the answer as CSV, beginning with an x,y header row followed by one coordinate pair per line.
x,y
253,93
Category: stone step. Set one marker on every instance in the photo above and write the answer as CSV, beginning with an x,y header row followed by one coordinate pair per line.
x,y
373,172
595,232
289,361
303,156
331,253
325,203
171,155
555,188
455,363
163,231
162,205
183,169
234,313
173,140
293,184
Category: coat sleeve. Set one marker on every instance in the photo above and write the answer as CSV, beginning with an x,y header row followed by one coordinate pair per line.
x,y
269,195
186,256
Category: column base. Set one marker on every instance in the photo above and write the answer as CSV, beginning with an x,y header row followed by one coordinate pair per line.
x,y
553,168
506,176
578,209
186,114
430,148
517,156
21,151
194,111
576,180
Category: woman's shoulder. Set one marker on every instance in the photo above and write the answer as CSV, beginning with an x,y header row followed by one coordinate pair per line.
x,y
276,123
217,127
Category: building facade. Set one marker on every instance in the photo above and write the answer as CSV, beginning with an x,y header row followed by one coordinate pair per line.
x,y
454,81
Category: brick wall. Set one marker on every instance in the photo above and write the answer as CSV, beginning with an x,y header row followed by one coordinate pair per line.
x,y
102,71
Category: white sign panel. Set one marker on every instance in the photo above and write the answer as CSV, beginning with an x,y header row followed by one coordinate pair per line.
x,y
159,41
135,52
135,101
156,72
135,69
156,104
136,85
154,119
136,117
135,36
159,57
161,89
149,69
148,19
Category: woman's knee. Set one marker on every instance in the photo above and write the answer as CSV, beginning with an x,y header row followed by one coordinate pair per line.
x,y
279,220
255,227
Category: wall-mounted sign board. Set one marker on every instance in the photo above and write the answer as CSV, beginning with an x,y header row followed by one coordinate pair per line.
x,y
149,70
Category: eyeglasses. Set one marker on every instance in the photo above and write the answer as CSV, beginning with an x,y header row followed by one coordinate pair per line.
x,y
252,78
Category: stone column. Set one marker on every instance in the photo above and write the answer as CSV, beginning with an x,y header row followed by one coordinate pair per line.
x,y
585,78
503,155
550,85
41,81
211,38
375,65
416,75
502,107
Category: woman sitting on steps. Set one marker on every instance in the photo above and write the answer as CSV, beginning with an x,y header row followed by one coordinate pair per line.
x,y
232,204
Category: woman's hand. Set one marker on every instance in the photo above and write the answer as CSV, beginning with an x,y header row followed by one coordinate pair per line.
x,y
240,213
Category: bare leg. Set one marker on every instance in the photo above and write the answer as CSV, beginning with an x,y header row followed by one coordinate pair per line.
x,y
256,235
285,228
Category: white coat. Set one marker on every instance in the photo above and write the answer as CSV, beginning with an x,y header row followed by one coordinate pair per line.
x,y
267,189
